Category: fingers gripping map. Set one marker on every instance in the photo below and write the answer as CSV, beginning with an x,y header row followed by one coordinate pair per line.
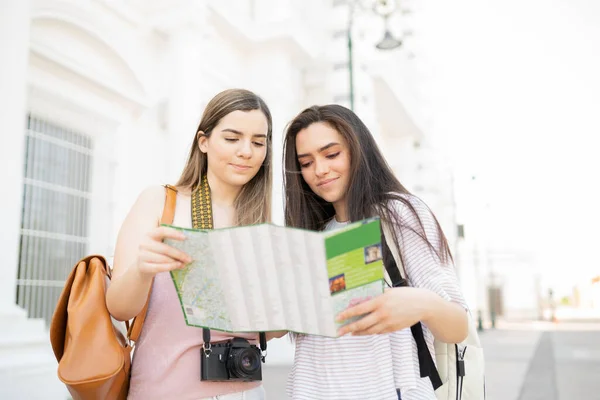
x,y
267,277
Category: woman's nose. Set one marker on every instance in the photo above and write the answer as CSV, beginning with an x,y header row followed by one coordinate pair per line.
x,y
245,149
321,168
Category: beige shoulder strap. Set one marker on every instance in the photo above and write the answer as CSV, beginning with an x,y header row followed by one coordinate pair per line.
x,y
389,238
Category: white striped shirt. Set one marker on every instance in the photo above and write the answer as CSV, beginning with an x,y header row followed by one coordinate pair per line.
x,y
373,367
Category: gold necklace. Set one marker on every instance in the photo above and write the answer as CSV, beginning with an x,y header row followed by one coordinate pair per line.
x,y
202,217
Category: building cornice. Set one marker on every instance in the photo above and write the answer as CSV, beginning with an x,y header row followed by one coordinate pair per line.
x,y
255,35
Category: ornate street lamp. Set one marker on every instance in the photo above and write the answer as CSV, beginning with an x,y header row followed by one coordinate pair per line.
x,y
383,8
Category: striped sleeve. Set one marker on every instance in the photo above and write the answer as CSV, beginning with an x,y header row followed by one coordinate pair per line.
x,y
422,263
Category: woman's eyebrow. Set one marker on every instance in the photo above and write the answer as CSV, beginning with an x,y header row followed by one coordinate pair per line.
x,y
320,150
234,131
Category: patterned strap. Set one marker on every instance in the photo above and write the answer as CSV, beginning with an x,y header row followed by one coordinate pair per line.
x,y
202,218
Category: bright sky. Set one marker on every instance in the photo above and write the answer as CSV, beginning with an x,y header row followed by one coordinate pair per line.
x,y
515,88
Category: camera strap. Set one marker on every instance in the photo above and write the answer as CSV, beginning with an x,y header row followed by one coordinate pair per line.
x,y
263,345
202,218
207,344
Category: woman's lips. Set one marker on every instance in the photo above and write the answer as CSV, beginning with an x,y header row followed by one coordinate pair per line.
x,y
326,182
240,167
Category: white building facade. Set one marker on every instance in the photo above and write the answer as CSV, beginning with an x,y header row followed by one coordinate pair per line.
x,y
101,98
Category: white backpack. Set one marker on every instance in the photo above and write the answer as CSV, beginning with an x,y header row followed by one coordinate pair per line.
x,y
460,367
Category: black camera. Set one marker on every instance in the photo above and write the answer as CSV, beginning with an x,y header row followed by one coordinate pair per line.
x,y
234,360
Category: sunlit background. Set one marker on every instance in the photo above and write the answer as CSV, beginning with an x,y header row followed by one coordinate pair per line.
x,y
488,110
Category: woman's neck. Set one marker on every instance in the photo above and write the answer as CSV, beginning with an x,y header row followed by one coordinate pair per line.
x,y
221,194
341,211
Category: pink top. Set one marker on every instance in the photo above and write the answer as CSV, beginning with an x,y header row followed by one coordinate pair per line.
x,y
167,356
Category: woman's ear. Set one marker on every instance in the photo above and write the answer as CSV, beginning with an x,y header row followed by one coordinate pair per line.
x,y
202,141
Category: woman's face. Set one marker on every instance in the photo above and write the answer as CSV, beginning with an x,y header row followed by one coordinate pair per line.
x,y
237,147
324,159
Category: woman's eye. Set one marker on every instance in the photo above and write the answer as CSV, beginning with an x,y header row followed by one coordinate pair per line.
x,y
334,155
259,144
305,165
231,139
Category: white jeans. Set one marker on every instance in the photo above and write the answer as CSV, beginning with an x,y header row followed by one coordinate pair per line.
x,y
257,393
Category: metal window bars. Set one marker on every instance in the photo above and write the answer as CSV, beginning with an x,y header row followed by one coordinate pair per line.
x,y
54,224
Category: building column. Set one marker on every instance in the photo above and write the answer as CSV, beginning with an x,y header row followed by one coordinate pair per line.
x,y
14,42
27,366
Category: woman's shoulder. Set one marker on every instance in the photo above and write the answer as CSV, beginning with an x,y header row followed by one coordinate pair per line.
x,y
151,199
156,193
400,202
151,195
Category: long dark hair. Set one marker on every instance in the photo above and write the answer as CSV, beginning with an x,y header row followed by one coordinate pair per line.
x,y
372,188
253,203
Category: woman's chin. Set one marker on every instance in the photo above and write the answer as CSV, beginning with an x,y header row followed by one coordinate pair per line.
x,y
239,180
330,197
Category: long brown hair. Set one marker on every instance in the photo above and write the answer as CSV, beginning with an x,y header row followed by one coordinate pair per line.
x,y
253,203
372,188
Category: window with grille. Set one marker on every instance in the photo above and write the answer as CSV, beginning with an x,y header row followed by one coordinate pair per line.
x,y
56,197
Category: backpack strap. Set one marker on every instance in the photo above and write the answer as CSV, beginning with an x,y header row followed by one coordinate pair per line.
x,y
426,365
133,333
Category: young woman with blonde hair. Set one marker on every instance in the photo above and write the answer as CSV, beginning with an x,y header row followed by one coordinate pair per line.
x,y
230,162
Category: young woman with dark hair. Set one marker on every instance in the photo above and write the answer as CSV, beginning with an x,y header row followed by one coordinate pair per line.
x,y
335,174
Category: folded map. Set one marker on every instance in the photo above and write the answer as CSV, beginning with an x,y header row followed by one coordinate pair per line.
x,y
266,277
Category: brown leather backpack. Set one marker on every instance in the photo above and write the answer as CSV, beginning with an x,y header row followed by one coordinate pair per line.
x,y
94,350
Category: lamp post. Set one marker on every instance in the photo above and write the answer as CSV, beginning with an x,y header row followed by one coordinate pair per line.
x,y
350,61
383,8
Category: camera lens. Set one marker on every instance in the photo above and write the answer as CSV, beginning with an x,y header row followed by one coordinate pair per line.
x,y
244,363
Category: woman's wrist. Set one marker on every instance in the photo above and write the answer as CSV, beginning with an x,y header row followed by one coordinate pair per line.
x,y
446,319
429,304
142,277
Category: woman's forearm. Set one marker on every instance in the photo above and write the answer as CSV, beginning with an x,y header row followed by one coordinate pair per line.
x,y
445,319
127,294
